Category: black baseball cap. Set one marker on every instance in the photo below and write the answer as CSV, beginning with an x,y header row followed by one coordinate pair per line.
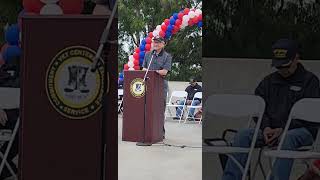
x,y
192,80
283,52
159,39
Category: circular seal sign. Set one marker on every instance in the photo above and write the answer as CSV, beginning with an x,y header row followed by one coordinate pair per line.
x,y
73,90
137,88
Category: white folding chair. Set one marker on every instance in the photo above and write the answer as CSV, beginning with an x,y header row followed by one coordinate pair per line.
x,y
198,95
9,99
120,100
306,109
235,106
180,95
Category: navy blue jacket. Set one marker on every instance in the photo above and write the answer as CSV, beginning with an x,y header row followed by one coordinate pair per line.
x,y
280,94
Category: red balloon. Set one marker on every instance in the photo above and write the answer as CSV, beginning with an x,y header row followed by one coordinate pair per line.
x,y
150,35
164,27
136,62
200,17
148,40
137,50
176,28
178,22
148,47
136,56
32,5
191,23
72,7
180,16
136,67
126,67
186,11
162,33
195,20
167,22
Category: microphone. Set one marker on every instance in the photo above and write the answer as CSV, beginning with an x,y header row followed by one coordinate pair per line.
x,y
154,52
104,38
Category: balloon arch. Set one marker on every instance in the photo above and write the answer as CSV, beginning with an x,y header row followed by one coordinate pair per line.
x,y
177,22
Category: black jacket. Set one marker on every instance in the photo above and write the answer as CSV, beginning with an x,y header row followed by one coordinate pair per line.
x,y
280,94
192,90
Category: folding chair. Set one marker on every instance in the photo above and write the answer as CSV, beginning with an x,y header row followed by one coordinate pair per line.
x,y
120,101
308,110
198,95
235,106
181,95
9,99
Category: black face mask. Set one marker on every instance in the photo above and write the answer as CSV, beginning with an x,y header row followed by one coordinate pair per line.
x,y
283,67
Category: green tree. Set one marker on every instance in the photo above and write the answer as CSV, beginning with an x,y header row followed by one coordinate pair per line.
x,y
235,28
9,10
138,17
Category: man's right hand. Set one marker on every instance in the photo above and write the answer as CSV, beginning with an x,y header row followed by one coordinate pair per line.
x,y
3,117
271,134
267,133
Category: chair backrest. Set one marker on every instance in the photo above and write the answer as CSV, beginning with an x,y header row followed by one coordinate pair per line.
x,y
198,95
179,94
307,109
233,105
120,92
9,98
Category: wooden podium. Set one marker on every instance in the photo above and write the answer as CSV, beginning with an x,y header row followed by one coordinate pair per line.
x,y
64,121
135,127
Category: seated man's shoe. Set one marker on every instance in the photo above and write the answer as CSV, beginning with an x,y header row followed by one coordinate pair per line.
x,y
176,118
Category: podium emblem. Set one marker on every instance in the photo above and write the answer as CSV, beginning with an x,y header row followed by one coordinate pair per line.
x,y
72,89
137,88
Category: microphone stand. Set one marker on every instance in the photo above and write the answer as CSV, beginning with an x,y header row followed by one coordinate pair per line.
x,y
95,66
145,79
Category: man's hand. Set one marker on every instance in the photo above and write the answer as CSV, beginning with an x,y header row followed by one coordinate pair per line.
x,y
188,102
3,117
162,72
271,134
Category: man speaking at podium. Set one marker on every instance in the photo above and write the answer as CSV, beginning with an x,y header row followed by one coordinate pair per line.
x,y
161,63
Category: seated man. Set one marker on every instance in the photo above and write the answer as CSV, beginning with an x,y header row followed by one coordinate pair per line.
x,y
10,77
192,89
280,90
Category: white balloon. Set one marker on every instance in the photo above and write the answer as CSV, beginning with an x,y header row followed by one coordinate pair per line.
x,y
51,9
192,14
155,33
130,64
198,12
158,28
131,58
185,19
131,69
183,25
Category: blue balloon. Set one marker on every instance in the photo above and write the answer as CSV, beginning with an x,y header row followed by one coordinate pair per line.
x,y
142,47
200,24
12,35
142,53
121,75
11,52
143,42
168,35
170,28
175,16
172,21
141,61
